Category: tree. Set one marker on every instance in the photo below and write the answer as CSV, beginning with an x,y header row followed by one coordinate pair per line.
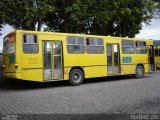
x,y
100,17
2,17
157,6
67,17
26,14
128,16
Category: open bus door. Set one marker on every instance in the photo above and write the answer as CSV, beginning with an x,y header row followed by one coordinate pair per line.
x,y
151,58
113,61
52,57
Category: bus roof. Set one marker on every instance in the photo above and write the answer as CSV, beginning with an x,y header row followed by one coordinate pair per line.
x,y
72,34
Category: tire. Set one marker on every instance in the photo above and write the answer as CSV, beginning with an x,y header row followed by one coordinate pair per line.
x,y
139,73
76,77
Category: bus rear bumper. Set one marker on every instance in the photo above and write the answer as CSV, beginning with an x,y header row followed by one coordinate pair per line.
x,y
13,75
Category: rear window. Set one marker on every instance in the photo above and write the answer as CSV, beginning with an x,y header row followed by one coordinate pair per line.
x,y
9,43
30,43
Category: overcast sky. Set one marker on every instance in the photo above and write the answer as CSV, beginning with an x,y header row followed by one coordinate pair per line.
x,y
151,31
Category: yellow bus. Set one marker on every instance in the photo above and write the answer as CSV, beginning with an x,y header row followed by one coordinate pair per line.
x,y
49,56
157,55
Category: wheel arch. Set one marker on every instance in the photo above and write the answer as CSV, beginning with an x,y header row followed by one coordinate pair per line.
x,y
78,67
140,64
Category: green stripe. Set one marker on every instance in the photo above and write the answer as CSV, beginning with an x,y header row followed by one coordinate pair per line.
x,y
126,60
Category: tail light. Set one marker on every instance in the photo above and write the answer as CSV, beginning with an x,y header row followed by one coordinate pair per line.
x,y
2,67
16,66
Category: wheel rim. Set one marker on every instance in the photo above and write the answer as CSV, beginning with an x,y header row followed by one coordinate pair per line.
x,y
76,77
139,71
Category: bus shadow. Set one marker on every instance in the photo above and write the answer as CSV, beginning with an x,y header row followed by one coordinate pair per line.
x,y
111,79
24,85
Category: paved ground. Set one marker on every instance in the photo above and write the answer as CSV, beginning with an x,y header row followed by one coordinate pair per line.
x,y
114,95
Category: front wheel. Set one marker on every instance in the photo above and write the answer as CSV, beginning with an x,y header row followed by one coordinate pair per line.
x,y
139,72
76,77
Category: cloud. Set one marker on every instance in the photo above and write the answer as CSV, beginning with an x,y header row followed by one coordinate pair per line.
x,y
151,31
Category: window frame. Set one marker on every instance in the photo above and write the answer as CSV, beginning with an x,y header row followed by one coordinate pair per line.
x,y
83,45
95,38
140,47
127,46
23,43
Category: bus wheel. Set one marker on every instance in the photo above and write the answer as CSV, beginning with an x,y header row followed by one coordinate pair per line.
x,y
139,71
76,77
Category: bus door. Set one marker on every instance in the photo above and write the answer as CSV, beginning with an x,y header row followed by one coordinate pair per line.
x,y
151,58
113,59
52,57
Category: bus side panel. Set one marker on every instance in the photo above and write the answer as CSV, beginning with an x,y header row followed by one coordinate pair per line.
x,y
92,66
33,75
89,72
95,71
146,68
66,73
130,69
127,69
32,63
157,61
130,61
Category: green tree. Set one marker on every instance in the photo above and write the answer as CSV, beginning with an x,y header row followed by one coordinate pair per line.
x,y
26,14
2,17
67,17
128,16
101,17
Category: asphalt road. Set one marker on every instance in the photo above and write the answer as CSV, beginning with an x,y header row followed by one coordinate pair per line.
x,y
119,95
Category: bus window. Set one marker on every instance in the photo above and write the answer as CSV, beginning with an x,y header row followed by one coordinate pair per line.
x,y
128,47
141,47
30,43
75,44
94,45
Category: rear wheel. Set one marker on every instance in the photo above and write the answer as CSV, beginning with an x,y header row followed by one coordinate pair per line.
x,y
139,71
76,77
